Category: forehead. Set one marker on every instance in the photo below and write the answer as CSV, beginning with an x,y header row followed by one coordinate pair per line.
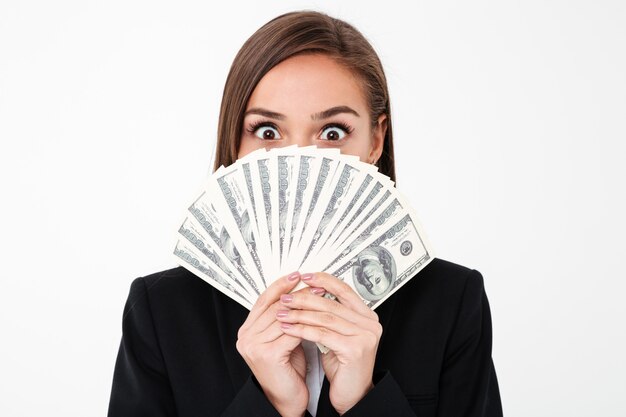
x,y
308,83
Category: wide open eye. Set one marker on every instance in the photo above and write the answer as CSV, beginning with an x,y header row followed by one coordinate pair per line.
x,y
265,131
335,132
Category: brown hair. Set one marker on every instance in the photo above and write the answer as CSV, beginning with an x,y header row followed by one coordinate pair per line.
x,y
288,35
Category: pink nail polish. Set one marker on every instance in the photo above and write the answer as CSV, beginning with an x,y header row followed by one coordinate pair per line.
x,y
293,276
307,277
282,313
318,291
286,298
285,325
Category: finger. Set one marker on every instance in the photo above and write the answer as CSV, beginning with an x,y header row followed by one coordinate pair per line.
x,y
329,338
320,319
273,340
269,335
271,295
269,315
286,342
264,320
304,301
344,293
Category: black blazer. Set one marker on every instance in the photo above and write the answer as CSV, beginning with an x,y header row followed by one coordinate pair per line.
x,y
177,355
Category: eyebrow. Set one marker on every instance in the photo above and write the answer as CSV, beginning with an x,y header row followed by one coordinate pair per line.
x,y
317,116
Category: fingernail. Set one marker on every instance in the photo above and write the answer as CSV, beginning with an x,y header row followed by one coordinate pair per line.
x,y
318,291
285,325
293,276
307,277
282,313
286,298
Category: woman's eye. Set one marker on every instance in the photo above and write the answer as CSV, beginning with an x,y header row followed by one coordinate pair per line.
x,y
333,133
266,133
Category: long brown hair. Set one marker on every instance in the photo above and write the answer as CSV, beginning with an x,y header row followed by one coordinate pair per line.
x,y
288,35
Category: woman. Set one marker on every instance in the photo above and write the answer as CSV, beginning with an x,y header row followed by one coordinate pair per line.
x,y
187,350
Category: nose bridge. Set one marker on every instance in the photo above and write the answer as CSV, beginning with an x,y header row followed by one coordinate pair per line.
x,y
301,140
301,134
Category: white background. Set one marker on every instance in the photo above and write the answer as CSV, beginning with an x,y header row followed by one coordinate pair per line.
x,y
509,120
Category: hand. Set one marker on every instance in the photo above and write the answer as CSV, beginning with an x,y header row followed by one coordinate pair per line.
x,y
276,359
348,328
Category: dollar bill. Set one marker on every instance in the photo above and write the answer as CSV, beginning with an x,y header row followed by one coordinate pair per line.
x,y
361,193
302,169
308,172
373,183
326,168
379,220
195,234
351,201
384,263
365,210
188,257
313,208
204,213
262,175
249,196
232,193
343,185
287,163
309,209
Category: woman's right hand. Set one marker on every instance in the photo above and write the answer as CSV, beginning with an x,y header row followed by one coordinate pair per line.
x,y
276,359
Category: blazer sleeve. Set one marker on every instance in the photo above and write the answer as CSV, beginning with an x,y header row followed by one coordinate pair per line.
x,y
468,386
141,385
251,401
140,382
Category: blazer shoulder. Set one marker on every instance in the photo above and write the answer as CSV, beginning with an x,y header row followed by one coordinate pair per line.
x,y
448,274
173,282
439,287
168,277
444,266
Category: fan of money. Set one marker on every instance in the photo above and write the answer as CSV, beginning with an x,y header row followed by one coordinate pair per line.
x,y
303,209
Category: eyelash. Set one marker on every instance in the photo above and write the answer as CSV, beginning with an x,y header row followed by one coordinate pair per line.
x,y
262,123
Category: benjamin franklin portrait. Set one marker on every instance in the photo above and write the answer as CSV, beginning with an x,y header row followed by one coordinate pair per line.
x,y
374,273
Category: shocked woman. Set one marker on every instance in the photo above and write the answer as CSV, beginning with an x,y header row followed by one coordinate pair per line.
x,y
306,78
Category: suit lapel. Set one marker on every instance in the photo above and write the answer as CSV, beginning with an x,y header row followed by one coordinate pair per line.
x,y
324,407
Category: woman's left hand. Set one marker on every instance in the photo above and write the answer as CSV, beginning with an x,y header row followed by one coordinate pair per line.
x,y
349,328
